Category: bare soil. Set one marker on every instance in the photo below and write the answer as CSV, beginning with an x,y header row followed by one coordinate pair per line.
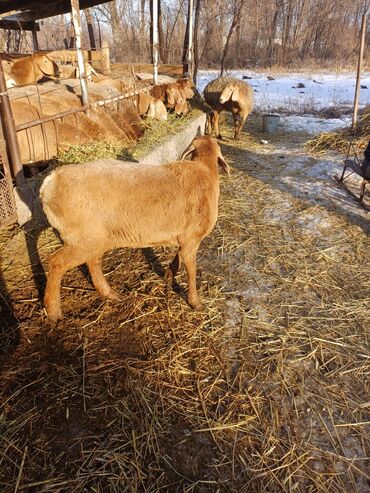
x,y
266,389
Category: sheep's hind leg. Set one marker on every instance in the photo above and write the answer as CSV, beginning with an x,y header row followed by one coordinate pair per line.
x,y
66,258
100,282
188,254
238,126
172,270
216,117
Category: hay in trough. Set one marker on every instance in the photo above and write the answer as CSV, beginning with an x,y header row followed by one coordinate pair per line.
x,y
265,389
155,131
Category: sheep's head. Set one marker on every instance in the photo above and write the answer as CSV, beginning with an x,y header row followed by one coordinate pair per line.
x,y
174,96
157,110
205,146
230,92
187,87
47,66
144,102
182,108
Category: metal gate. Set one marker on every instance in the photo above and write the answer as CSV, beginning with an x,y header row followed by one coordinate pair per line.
x,y
8,213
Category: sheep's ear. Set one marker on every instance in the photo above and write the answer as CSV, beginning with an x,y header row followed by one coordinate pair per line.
x,y
187,151
235,94
225,95
223,165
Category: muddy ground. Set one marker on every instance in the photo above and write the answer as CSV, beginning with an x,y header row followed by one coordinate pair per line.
x,y
265,389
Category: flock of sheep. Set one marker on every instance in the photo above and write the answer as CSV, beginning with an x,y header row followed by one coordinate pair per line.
x,y
121,121
130,205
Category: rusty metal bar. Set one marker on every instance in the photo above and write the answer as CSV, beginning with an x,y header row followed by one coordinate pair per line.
x,y
10,131
49,118
56,116
359,69
126,95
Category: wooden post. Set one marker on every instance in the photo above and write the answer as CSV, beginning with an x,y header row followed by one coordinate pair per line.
x,y
76,19
189,66
90,28
359,69
10,133
155,40
105,57
35,41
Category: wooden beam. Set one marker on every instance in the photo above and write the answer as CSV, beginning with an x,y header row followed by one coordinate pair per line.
x,y
105,58
16,25
44,9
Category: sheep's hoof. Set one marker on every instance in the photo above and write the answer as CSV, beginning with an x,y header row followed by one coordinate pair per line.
x,y
54,318
195,304
114,296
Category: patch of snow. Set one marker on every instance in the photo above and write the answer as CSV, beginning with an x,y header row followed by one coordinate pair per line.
x,y
311,124
321,90
314,222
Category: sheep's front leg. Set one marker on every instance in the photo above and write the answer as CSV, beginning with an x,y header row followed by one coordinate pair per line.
x,y
100,282
188,253
60,262
238,123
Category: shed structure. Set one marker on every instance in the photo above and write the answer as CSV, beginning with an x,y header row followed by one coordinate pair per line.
x,y
24,15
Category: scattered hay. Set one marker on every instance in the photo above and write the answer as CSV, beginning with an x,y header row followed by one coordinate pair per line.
x,y
340,139
265,389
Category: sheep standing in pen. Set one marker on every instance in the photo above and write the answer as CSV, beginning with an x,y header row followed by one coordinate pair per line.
x,y
229,94
108,204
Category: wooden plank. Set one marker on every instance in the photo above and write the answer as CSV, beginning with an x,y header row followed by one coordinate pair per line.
x,y
16,25
71,55
40,10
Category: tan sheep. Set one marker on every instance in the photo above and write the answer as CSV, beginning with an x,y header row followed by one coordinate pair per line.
x,y
107,204
154,108
229,94
175,95
42,142
29,70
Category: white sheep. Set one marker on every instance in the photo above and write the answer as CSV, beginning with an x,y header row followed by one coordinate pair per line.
x,y
107,204
229,94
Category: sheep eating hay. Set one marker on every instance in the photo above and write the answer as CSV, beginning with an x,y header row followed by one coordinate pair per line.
x,y
107,204
229,94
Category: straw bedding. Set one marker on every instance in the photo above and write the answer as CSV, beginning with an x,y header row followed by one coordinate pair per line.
x,y
265,389
339,140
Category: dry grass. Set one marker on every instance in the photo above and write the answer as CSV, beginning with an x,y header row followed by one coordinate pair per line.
x,y
265,389
339,140
155,131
